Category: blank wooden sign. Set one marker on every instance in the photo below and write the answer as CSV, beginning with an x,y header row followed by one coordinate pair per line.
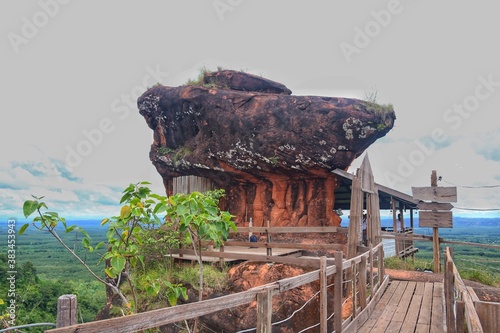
x,y
435,193
435,219
434,206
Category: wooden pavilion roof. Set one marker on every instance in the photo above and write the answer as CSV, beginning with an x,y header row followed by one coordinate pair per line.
x,y
386,194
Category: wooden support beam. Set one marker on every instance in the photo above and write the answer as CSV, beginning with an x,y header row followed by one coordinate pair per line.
x,y
264,311
355,218
66,311
337,296
323,296
395,223
268,237
354,284
435,230
381,269
449,295
370,260
362,283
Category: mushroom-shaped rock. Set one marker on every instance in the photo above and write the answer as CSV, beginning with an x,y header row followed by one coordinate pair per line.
x,y
271,151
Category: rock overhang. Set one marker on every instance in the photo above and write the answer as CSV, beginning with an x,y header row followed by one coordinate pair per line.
x,y
240,129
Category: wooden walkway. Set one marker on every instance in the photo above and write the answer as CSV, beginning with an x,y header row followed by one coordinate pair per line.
x,y
408,306
242,250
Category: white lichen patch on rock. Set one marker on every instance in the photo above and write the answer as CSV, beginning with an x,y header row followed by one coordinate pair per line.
x,y
286,147
304,160
165,160
365,131
353,125
149,104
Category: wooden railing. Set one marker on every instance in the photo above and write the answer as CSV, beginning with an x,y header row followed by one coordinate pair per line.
x,y
366,288
460,309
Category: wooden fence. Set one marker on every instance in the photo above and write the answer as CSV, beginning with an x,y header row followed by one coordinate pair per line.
x,y
464,310
367,286
460,310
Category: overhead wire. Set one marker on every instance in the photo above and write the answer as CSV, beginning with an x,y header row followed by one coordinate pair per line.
x,y
475,187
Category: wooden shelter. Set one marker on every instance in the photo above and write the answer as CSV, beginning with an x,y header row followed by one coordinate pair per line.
x,y
359,192
188,184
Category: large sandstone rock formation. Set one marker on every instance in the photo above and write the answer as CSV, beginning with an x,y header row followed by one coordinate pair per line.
x,y
271,151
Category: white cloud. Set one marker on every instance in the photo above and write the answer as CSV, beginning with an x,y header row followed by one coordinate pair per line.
x,y
458,164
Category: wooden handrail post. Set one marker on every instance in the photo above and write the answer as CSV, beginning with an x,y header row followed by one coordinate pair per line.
x,y
323,296
370,260
460,317
268,240
264,311
337,296
449,295
381,269
354,283
362,283
221,259
436,245
66,311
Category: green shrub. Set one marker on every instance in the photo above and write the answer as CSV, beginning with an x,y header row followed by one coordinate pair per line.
x,y
408,264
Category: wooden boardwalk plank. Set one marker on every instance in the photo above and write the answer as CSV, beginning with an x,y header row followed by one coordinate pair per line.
x,y
379,309
401,310
426,307
404,303
385,318
419,290
422,328
437,319
411,319
408,307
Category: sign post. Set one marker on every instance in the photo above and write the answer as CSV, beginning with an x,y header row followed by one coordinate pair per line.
x,y
436,213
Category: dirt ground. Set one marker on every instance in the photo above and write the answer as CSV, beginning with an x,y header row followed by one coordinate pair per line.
x,y
485,293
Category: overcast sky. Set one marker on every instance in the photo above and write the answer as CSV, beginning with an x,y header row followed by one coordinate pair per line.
x,y
71,72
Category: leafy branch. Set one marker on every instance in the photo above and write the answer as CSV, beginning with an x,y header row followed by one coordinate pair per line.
x,y
49,221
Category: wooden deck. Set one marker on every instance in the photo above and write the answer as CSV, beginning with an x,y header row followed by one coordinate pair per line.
x,y
242,250
408,306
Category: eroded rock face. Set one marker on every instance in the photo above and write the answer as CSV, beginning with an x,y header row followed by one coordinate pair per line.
x,y
271,151
250,274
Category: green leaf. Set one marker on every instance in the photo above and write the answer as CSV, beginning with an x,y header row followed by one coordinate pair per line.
x,y
211,210
23,228
184,293
133,261
98,246
118,263
125,212
71,228
104,221
159,208
136,211
125,197
29,207
110,273
85,242
172,299
86,234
